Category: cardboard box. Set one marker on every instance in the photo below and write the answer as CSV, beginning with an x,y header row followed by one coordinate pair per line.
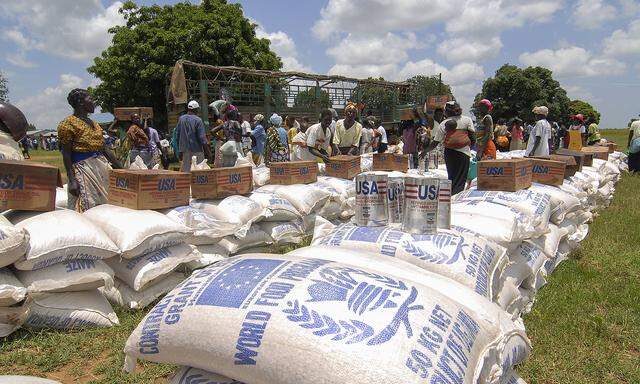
x,y
148,189
124,113
612,147
549,172
390,162
28,186
344,167
575,140
580,157
571,166
598,152
221,182
293,172
509,175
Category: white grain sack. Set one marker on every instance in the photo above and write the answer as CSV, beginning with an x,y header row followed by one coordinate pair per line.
x,y
305,198
63,235
12,291
283,233
209,254
12,318
137,232
510,378
261,175
188,375
243,208
71,310
203,227
469,260
504,225
561,201
347,188
255,237
344,324
146,269
281,209
25,380
13,242
122,295
70,276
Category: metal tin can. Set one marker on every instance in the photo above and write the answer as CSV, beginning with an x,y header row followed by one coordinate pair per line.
x,y
371,200
395,199
420,205
444,204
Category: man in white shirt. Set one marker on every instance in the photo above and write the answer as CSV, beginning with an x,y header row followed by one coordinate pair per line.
x,y
383,142
246,129
538,144
13,128
319,137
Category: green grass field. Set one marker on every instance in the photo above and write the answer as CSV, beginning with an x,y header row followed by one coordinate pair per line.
x,y
585,326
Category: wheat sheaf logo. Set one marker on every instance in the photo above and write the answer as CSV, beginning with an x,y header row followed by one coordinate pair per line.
x,y
360,293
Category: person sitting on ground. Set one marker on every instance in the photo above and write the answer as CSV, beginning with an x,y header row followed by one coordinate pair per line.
x,y
486,148
277,146
86,158
593,132
538,144
319,137
191,137
348,132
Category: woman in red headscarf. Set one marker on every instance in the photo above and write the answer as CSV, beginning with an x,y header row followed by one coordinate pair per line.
x,y
486,148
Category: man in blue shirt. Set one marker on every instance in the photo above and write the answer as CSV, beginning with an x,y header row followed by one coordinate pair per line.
x,y
192,140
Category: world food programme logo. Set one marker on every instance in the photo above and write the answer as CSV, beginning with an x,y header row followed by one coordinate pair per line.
x,y
360,293
450,248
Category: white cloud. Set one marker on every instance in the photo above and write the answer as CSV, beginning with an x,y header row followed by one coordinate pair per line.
x,y
361,49
19,59
50,106
573,61
624,42
381,16
461,49
67,28
591,14
283,45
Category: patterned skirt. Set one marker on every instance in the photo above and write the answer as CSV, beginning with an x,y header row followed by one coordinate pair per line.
x,y
92,175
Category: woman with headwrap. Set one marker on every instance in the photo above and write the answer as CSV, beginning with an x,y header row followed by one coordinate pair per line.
x,y
231,133
517,135
277,147
13,128
348,131
486,148
260,136
457,141
538,144
86,158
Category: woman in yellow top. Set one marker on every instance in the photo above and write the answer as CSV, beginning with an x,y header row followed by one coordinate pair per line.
x,y
86,158
348,132
292,127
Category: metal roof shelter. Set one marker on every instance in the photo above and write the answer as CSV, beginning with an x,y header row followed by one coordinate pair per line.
x,y
286,93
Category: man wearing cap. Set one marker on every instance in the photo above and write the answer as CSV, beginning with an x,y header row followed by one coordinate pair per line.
x,y
13,128
538,144
192,139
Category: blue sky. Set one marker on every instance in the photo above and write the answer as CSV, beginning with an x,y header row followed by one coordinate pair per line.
x,y
591,45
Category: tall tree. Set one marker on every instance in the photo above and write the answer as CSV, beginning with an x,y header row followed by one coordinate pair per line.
x,y
515,91
424,86
584,108
133,70
4,89
307,99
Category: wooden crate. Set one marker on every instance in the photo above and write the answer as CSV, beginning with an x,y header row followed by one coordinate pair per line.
x,y
597,151
549,172
28,186
612,147
509,175
124,113
293,172
343,167
217,183
571,166
390,162
148,189
582,159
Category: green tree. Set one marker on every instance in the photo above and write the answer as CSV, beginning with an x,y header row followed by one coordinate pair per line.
x,y
375,97
584,108
307,99
424,86
133,70
515,91
4,89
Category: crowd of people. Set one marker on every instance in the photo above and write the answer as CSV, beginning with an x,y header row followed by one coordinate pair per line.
x,y
89,152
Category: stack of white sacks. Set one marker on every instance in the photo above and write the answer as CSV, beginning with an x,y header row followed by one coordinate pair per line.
x,y
332,296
